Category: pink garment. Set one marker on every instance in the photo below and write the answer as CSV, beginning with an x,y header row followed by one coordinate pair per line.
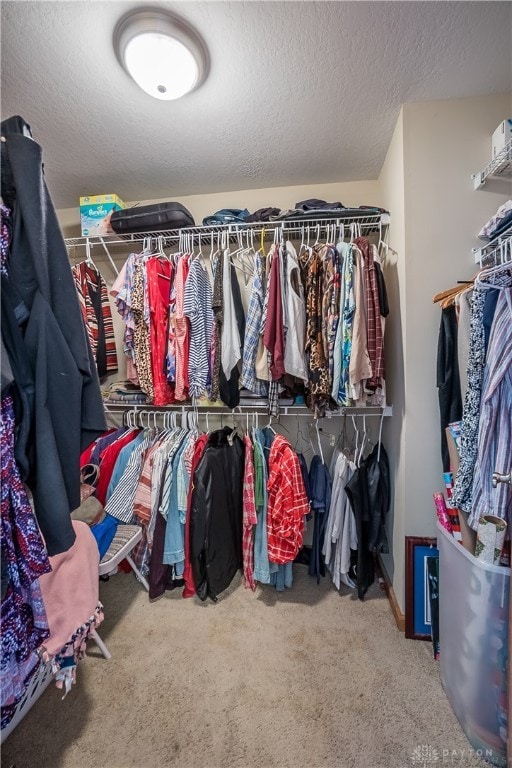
x,y
71,591
182,332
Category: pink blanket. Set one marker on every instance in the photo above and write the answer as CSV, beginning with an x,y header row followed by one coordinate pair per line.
x,y
70,593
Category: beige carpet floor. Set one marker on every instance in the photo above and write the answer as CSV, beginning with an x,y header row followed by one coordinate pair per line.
x,y
308,678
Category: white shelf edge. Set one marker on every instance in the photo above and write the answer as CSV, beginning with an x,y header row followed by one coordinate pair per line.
x,y
502,159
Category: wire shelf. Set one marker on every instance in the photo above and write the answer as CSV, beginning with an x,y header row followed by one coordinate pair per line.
x,y
374,222
497,250
212,410
500,167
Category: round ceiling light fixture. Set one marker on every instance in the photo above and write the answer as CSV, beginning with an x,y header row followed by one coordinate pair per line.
x,y
164,56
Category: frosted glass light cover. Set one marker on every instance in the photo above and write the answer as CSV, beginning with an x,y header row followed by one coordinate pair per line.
x,y
161,65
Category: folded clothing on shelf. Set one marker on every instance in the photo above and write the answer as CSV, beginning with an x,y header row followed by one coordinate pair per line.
x,y
226,216
304,209
497,223
124,392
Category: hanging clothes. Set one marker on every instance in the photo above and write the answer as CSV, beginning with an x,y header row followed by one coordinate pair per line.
x,y
287,503
321,486
341,528
141,338
347,310
159,274
360,368
494,453
273,337
462,494
229,385
44,334
216,514
189,590
121,292
197,302
261,561
374,326
448,381
182,334
249,515
93,297
368,494
218,318
250,379
318,382
25,560
295,318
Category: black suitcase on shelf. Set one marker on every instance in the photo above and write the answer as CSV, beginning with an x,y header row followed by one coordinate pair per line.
x,y
151,218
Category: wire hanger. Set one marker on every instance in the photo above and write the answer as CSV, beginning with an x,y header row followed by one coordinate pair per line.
x,y
363,442
319,441
380,434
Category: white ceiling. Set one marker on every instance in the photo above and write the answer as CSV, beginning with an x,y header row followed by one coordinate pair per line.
x,y
298,92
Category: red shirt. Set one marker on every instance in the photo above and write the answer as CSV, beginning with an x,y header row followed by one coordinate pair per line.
x,y
159,273
287,503
108,459
273,337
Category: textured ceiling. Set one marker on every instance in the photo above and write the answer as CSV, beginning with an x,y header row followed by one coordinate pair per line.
x,y
298,92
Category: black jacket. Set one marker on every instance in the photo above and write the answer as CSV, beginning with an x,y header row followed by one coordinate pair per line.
x,y
368,492
57,388
216,515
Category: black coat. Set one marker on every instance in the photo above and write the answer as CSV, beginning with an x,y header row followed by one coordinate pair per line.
x,y
368,492
57,388
448,378
216,515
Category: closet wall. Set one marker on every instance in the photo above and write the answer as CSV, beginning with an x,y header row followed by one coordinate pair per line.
x,y
426,184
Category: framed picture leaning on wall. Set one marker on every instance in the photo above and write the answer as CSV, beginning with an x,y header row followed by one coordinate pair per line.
x,y
418,617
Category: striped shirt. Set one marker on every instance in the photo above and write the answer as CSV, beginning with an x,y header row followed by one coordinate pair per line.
x,y
495,428
142,552
197,306
100,328
120,503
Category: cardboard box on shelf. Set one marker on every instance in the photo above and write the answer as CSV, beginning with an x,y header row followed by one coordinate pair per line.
x,y
95,213
501,137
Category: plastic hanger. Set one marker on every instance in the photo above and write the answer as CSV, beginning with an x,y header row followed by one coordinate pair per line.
x,y
88,257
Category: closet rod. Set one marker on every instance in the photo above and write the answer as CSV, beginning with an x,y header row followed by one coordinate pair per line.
x,y
285,410
367,222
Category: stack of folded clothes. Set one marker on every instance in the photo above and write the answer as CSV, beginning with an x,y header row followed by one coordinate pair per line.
x,y
124,392
305,209
499,223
